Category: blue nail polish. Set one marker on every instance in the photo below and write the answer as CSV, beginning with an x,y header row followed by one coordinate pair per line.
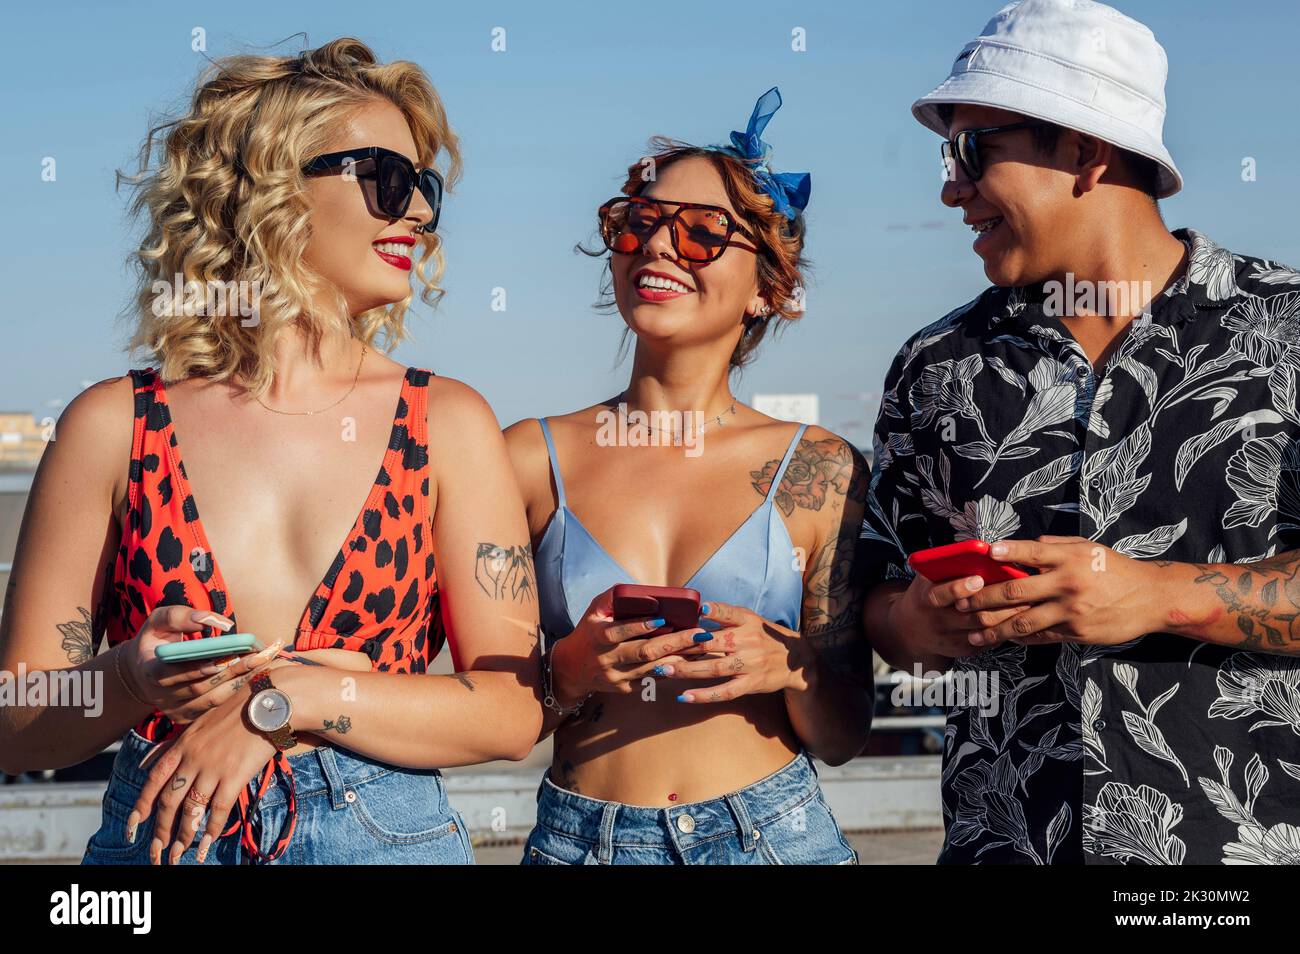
x,y
704,607
658,670
682,698
656,623
702,637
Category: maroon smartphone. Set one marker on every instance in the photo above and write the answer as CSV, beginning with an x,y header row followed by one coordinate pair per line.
x,y
679,607
967,558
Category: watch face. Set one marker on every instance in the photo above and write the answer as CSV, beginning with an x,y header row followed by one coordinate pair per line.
x,y
269,710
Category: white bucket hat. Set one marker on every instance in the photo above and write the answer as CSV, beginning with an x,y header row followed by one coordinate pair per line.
x,y
1076,63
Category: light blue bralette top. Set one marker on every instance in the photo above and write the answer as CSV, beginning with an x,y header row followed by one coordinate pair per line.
x,y
755,567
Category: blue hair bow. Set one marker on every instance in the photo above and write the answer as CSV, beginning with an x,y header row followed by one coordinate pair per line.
x,y
789,190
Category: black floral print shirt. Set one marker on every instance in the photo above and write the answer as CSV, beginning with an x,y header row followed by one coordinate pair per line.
x,y
1185,447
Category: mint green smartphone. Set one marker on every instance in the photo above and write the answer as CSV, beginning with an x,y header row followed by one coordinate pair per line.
x,y
188,650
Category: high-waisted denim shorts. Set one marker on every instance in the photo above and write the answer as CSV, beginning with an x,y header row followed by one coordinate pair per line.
x,y
779,820
351,810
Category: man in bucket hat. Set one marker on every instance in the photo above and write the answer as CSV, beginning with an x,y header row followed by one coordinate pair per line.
x,y
1118,413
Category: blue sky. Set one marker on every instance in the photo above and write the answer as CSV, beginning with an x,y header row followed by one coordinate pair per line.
x,y
549,125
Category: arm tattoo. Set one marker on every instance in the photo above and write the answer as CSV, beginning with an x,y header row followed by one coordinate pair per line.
x,y
502,571
835,589
304,660
1264,596
536,635
819,472
78,640
464,680
833,612
341,725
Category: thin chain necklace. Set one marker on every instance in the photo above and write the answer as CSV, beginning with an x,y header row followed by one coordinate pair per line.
x,y
718,420
355,379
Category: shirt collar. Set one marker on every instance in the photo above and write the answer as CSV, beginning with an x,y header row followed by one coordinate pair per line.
x,y
1208,283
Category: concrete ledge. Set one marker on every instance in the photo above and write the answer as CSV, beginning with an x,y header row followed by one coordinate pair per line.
x,y
48,822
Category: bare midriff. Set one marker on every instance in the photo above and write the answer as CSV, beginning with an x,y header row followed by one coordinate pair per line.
x,y
660,752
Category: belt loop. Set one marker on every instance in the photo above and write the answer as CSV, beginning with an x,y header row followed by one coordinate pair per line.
x,y
333,778
605,851
737,805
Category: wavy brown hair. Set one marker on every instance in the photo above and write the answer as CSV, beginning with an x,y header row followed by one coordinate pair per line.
x,y
780,258
223,194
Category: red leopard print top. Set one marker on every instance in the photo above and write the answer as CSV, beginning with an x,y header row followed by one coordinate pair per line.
x,y
380,596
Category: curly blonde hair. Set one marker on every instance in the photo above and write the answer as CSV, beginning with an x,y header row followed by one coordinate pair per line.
x,y
226,203
782,266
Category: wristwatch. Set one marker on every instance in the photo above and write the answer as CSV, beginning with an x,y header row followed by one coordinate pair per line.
x,y
269,712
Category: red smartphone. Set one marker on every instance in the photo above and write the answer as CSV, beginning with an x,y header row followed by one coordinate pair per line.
x,y
966,558
679,607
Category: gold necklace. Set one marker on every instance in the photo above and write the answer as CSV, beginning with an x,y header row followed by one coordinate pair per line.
x,y
622,399
355,379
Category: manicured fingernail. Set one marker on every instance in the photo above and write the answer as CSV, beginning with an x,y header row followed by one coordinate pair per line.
x,y
206,843
174,856
974,583
667,670
704,609
659,671
132,823
209,618
684,697
655,623
155,851
702,637
998,549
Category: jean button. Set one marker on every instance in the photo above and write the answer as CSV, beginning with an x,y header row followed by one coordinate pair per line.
x,y
350,796
685,824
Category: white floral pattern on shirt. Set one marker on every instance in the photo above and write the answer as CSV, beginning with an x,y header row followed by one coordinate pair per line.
x,y
1185,447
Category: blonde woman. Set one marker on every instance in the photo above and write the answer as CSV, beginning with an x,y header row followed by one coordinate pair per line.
x,y
278,475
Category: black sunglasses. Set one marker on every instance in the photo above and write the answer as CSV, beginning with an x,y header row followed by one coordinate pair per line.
x,y
700,233
395,179
965,146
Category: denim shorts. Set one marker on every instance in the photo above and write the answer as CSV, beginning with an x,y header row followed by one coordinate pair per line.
x,y
782,819
351,810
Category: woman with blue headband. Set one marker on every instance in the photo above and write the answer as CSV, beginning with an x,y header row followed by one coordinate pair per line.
x,y
688,741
